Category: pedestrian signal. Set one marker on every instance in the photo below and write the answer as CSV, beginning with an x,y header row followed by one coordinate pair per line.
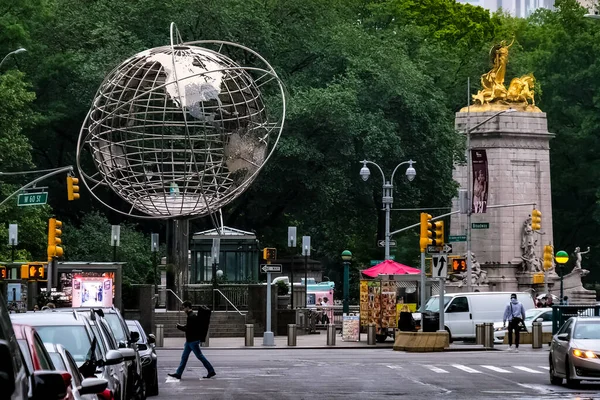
x,y
269,253
3,273
459,264
33,271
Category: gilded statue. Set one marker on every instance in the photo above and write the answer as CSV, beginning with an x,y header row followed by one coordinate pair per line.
x,y
494,95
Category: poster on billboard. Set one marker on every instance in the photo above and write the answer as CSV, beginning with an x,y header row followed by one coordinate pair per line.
x,y
92,292
351,328
480,181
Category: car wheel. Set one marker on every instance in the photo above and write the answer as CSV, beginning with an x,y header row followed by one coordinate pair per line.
x,y
572,383
554,380
449,335
153,387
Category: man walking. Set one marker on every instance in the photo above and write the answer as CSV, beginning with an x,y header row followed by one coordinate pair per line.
x,y
514,313
195,332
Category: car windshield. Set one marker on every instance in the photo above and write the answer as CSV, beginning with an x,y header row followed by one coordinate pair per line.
x,y
73,337
115,327
587,330
531,314
433,305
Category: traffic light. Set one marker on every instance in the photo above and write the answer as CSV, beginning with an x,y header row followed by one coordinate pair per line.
x,y
536,220
3,273
54,240
269,253
548,257
424,238
459,264
435,232
72,188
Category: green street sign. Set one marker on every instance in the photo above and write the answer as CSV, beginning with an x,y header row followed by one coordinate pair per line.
x,y
375,262
457,238
480,225
32,199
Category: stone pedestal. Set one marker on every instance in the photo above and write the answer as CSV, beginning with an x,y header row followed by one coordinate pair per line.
x,y
517,149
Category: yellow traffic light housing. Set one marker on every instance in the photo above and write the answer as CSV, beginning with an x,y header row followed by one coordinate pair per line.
x,y
424,238
72,188
435,232
54,240
548,257
269,253
536,220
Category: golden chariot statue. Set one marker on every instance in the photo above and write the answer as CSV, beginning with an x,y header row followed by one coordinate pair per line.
x,y
494,95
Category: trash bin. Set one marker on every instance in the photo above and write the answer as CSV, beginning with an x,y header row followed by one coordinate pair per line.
x,y
292,334
488,335
478,333
249,335
536,335
371,335
331,335
160,335
430,321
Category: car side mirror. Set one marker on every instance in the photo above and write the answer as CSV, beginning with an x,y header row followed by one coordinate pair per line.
x,y
48,385
128,354
7,372
135,336
563,337
92,386
151,338
113,357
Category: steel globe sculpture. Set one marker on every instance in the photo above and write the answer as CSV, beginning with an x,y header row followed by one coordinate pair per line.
x,y
181,130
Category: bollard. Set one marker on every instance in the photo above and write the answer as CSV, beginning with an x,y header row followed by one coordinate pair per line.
x,y
371,336
206,342
249,335
478,333
488,335
160,335
536,335
292,334
331,335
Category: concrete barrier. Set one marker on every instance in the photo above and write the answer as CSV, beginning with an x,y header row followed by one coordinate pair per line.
x,y
421,341
525,338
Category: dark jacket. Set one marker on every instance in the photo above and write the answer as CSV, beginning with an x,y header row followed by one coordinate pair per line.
x,y
197,325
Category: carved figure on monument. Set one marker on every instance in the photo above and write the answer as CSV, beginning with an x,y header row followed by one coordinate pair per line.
x,y
479,276
578,254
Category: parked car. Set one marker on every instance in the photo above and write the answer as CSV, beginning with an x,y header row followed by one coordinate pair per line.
x,y
135,388
82,389
574,352
17,381
464,310
37,358
146,348
543,315
74,331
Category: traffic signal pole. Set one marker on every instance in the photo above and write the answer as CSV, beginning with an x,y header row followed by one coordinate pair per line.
x,y
35,181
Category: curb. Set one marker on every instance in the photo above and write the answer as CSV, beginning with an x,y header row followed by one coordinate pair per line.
x,y
390,347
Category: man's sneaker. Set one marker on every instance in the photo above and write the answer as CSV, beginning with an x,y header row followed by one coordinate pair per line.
x,y
176,376
510,348
516,349
210,375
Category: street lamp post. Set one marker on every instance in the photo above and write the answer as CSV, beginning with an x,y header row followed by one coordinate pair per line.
x,y
292,245
561,258
154,250
346,257
12,53
388,193
116,240
470,191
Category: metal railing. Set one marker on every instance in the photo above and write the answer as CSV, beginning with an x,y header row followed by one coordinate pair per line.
x,y
314,317
561,313
228,301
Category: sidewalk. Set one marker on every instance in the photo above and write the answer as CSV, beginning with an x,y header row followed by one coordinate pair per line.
x,y
320,342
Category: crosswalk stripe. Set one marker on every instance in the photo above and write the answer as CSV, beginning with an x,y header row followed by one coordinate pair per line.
x,y
466,369
547,368
533,371
497,369
394,366
436,369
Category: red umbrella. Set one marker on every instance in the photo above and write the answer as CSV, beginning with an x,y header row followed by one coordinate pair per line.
x,y
390,267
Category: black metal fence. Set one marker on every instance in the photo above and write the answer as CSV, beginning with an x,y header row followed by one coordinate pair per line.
x,y
562,313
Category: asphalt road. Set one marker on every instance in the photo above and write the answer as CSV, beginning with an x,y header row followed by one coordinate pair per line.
x,y
365,374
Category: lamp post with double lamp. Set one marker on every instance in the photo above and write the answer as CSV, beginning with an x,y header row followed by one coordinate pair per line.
x,y
561,259
388,193
346,257
12,53
470,190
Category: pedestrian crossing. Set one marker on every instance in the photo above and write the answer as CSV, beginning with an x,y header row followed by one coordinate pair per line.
x,y
477,369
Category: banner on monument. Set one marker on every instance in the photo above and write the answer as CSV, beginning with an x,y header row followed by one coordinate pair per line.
x,y
480,181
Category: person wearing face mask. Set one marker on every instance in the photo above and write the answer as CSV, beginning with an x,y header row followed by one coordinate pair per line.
x,y
514,313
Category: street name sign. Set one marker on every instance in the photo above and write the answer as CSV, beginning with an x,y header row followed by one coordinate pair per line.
x,y
270,267
457,238
480,225
375,262
381,243
32,199
439,266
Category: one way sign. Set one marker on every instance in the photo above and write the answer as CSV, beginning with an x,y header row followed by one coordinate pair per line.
x,y
439,265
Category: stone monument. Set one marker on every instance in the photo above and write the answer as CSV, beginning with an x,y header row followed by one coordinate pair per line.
x,y
510,166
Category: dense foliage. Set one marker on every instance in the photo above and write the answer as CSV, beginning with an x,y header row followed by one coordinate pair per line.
x,y
366,79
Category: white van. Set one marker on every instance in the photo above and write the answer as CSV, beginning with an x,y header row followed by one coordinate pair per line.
x,y
464,310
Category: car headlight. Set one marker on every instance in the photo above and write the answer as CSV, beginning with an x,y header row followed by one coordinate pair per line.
x,y
584,353
499,329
